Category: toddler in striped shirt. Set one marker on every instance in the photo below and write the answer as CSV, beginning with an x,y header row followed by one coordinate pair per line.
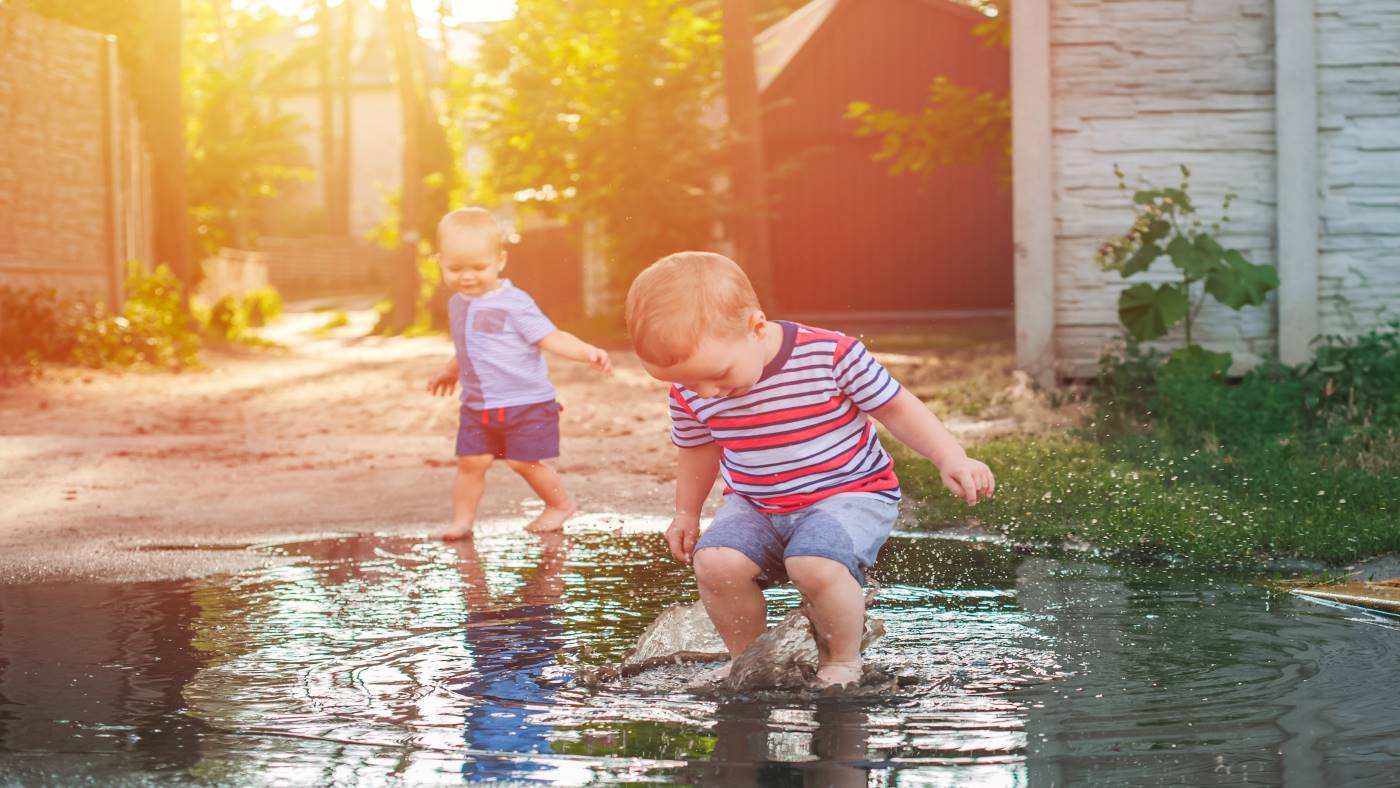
x,y
781,412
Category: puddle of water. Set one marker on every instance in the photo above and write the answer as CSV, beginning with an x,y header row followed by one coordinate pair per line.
x,y
385,659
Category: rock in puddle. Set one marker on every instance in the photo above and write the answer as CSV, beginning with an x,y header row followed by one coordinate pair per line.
x,y
782,658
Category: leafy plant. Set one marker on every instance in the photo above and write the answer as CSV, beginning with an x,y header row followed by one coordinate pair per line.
x,y
154,327
1357,377
36,325
1126,384
263,305
958,125
1167,225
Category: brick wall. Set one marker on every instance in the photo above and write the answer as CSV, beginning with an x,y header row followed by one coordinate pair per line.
x,y
74,175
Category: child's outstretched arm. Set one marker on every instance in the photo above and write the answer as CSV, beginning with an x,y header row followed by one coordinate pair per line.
x,y
915,426
696,470
446,381
566,345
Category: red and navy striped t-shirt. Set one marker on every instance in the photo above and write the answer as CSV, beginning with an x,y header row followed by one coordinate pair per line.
x,y
801,433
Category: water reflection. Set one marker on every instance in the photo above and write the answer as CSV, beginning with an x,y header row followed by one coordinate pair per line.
x,y
390,659
756,744
513,640
97,671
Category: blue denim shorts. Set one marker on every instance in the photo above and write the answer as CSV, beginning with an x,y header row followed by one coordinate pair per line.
x,y
524,432
848,528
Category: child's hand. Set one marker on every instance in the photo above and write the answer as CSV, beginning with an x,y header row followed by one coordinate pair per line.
x,y
967,478
442,385
598,359
682,536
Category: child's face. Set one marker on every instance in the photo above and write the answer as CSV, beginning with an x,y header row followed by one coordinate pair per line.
x,y
723,365
471,262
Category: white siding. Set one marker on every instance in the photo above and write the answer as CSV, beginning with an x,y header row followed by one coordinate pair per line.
x,y
1359,135
1150,84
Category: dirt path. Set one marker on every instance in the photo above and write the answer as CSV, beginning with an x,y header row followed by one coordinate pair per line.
x,y
99,472
119,475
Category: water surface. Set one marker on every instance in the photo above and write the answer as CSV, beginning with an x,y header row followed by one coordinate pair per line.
x,y
391,659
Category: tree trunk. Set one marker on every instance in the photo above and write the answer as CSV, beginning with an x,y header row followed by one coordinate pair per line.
x,y
401,28
347,85
749,219
330,166
165,133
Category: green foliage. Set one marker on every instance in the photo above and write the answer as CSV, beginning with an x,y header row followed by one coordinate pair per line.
x,y
1149,312
35,326
227,319
1357,377
153,328
263,306
1352,384
958,125
1125,387
1167,225
240,151
230,319
338,319
1181,462
593,110
1156,503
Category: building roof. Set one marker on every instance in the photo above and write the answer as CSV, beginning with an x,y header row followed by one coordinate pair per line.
x,y
776,47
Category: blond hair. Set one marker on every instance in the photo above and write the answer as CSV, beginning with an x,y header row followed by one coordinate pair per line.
x,y
682,298
473,220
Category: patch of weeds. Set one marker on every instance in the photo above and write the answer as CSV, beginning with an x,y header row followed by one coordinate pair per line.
x,y
1287,462
1073,490
153,328
231,319
262,306
968,397
36,326
339,319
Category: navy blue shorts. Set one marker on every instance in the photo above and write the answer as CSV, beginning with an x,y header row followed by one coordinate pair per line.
x,y
525,432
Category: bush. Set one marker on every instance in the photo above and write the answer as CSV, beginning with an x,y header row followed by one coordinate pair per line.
x,y
230,318
153,328
262,306
35,326
1126,385
227,319
1357,378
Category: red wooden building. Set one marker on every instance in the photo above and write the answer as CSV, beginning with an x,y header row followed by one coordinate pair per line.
x,y
846,236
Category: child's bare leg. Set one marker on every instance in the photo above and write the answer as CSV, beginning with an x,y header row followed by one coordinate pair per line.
x,y
837,608
466,494
545,481
732,599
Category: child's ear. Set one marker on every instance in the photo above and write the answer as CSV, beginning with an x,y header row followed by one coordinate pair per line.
x,y
505,258
757,321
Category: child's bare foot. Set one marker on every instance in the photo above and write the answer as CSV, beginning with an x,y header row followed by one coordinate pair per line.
x,y
838,674
711,677
552,518
455,533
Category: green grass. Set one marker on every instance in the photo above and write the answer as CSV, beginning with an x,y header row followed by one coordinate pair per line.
x,y
1138,500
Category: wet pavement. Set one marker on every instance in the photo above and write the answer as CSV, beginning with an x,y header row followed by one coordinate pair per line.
x,y
389,659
